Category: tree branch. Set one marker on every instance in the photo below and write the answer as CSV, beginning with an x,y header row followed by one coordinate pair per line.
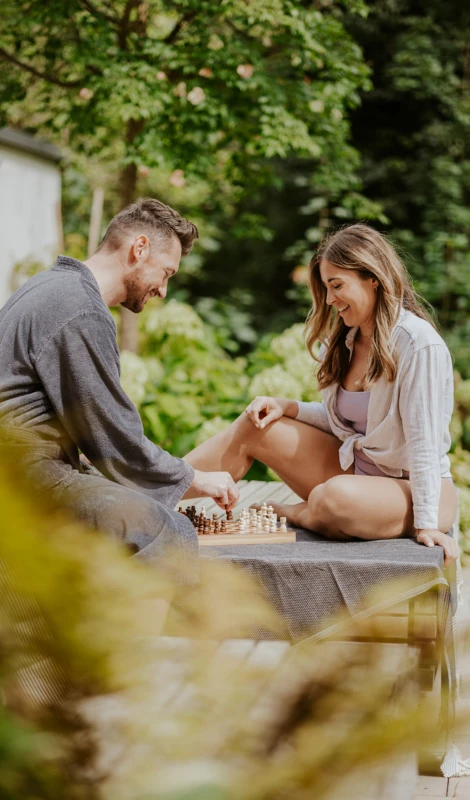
x,y
96,12
45,76
174,33
124,23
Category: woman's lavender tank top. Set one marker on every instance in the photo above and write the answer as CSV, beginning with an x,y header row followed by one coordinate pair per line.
x,y
353,408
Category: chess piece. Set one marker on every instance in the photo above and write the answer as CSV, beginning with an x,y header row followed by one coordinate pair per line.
x,y
283,528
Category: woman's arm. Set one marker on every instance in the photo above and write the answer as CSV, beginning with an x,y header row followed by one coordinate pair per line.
x,y
263,410
313,413
422,410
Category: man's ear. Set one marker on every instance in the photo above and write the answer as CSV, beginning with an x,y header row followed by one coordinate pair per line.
x,y
140,249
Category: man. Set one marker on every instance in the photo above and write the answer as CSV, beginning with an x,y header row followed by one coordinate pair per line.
x,y
60,389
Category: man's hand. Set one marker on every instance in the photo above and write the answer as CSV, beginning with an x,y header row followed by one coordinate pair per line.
x,y
448,544
218,485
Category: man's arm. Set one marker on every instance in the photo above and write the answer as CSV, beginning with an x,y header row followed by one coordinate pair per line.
x,y
79,369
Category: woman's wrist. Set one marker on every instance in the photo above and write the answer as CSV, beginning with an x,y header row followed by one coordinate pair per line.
x,y
290,408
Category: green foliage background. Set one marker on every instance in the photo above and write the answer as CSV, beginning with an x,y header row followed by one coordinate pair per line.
x,y
281,120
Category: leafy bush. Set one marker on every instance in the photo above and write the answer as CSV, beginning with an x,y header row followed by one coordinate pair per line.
x,y
187,387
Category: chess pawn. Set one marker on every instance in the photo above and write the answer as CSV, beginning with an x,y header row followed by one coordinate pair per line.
x,y
216,528
229,515
203,511
283,528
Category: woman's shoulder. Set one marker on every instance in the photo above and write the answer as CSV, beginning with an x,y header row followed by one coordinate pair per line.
x,y
416,331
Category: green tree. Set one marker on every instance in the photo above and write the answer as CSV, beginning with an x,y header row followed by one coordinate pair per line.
x,y
216,89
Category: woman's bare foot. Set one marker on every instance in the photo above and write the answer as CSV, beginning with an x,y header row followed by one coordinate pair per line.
x,y
292,513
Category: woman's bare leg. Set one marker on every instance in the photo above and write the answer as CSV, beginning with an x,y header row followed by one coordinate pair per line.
x,y
365,507
303,456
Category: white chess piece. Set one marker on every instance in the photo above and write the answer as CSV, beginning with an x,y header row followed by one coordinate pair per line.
x,y
283,528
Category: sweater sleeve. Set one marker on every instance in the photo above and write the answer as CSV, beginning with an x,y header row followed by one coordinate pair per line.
x,y
421,405
79,369
313,413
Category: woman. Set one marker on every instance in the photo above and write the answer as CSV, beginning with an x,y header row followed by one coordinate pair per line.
x,y
370,460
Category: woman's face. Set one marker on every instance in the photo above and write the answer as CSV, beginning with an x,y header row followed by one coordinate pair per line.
x,y
353,297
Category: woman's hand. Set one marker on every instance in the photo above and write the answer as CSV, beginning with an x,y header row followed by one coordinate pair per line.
x,y
449,545
263,410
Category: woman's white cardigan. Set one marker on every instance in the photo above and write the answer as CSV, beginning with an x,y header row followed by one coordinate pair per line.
x,y
408,419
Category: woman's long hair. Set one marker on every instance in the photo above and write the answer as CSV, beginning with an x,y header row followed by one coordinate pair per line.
x,y
370,254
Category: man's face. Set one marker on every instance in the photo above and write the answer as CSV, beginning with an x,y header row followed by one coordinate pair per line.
x,y
151,266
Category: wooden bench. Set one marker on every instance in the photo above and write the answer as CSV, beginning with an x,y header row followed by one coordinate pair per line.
x,y
413,622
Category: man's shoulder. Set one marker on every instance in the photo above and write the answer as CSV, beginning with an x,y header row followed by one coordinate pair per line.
x,y
54,296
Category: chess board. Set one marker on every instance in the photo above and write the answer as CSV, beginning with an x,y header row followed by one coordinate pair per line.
x,y
252,526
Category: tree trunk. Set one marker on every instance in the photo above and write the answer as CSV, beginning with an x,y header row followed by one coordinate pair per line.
x,y
129,338
95,220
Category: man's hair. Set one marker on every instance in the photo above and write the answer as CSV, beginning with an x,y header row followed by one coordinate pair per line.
x,y
155,219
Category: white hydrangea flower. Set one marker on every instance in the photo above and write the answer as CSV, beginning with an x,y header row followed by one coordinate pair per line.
x,y
302,367
155,368
210,427
275,382
289,342
175,319
196,95
297,361
134,376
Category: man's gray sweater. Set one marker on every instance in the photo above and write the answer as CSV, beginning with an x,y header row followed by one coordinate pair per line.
x,y
59,384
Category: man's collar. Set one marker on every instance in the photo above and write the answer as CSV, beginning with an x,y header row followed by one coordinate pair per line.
x,y
74,265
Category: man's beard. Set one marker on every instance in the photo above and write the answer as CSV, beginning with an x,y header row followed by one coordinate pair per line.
x,y
135,294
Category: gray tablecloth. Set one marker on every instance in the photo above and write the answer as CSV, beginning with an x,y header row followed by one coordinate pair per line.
x,y
313,579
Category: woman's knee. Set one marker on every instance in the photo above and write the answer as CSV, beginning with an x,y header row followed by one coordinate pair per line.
x,y
247,435
333,500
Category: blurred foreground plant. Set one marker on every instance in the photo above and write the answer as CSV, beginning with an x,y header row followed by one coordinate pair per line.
x,y
95,706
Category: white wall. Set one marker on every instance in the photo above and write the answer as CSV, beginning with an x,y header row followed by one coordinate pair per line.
x,y
29,212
